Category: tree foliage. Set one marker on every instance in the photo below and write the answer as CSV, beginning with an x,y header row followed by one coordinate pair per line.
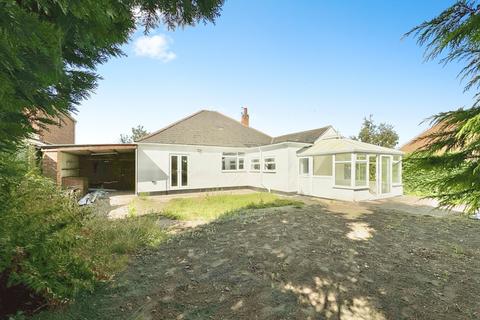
x,y
49,51
453,150
138,132
382,134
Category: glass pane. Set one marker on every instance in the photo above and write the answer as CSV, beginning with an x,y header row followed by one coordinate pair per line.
x,y
343,157
174,171
255,164
229,153
270,166
372,173
396,173
322,165
361,156
229,163
304,166
343,174
385,174
184,171
396,158
241,163
361,174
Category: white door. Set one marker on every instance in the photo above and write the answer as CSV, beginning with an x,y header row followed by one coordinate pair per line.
x,y
385,174
178,171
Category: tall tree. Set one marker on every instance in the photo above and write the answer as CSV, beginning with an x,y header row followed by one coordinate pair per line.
x,y
49,51
382,134
138,132
453,151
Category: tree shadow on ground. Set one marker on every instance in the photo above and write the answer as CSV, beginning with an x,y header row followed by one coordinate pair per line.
x,y
302,263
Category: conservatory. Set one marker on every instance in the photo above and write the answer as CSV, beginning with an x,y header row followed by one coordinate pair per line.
x,y
346,169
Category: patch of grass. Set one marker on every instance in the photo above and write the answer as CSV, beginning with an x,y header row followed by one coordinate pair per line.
x,y
213,207
108,243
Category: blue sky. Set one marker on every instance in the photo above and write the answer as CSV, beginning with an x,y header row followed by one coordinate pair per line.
x,y
296,65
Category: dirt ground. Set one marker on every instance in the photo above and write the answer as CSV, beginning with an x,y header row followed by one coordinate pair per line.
x,y
327,260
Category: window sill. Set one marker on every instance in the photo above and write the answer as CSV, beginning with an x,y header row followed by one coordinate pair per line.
x,y
351,188
269,171
232,171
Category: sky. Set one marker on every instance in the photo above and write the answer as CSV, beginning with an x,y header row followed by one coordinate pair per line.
x,y
296,65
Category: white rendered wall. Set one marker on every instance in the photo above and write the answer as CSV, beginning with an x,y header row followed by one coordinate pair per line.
x,y
205,168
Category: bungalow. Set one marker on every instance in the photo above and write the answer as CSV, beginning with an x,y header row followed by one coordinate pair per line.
x,y
208,150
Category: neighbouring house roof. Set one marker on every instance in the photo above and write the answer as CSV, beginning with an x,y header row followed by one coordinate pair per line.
x,y
212,128
309,136
344,145
421,140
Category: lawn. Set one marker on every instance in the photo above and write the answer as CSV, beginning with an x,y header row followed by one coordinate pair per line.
x,y
212,207
319,261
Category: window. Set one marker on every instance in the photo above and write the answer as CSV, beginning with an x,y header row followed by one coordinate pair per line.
x,y
343,169
361,170
397,170
255,164
322,165
303,166
269,165
233,161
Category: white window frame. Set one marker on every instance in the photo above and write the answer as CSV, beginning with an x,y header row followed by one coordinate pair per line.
x,y
400,178
251,169
265,164
354,170
308,166
238,156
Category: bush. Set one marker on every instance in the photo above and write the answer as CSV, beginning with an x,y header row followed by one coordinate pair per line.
x,y
50,248
39,229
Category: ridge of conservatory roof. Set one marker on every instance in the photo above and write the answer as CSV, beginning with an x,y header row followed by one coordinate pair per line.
x,y
344,145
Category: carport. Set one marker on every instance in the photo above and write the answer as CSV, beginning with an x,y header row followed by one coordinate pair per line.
x,y
80,167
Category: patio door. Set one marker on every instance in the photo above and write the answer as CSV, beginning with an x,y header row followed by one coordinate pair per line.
x,y
178,171
385,174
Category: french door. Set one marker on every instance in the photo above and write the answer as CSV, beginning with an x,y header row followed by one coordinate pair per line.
x,y
178,171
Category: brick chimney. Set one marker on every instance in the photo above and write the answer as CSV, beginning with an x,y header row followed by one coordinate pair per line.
x,y
245,117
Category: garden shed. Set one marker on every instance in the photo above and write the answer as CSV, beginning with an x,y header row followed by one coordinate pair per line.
x,y
345,169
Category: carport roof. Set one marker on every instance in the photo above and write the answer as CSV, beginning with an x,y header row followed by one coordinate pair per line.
x,y
343,145
91,148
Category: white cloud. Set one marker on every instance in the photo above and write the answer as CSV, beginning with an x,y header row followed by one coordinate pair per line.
x,y
156,47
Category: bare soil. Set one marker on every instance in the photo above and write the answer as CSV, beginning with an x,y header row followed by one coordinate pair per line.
x,y
316,262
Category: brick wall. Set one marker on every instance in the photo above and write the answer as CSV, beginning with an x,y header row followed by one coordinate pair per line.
x,y
50,165
61,133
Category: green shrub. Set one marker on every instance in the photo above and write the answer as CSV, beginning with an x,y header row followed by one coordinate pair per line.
x,y
53,248
39,227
